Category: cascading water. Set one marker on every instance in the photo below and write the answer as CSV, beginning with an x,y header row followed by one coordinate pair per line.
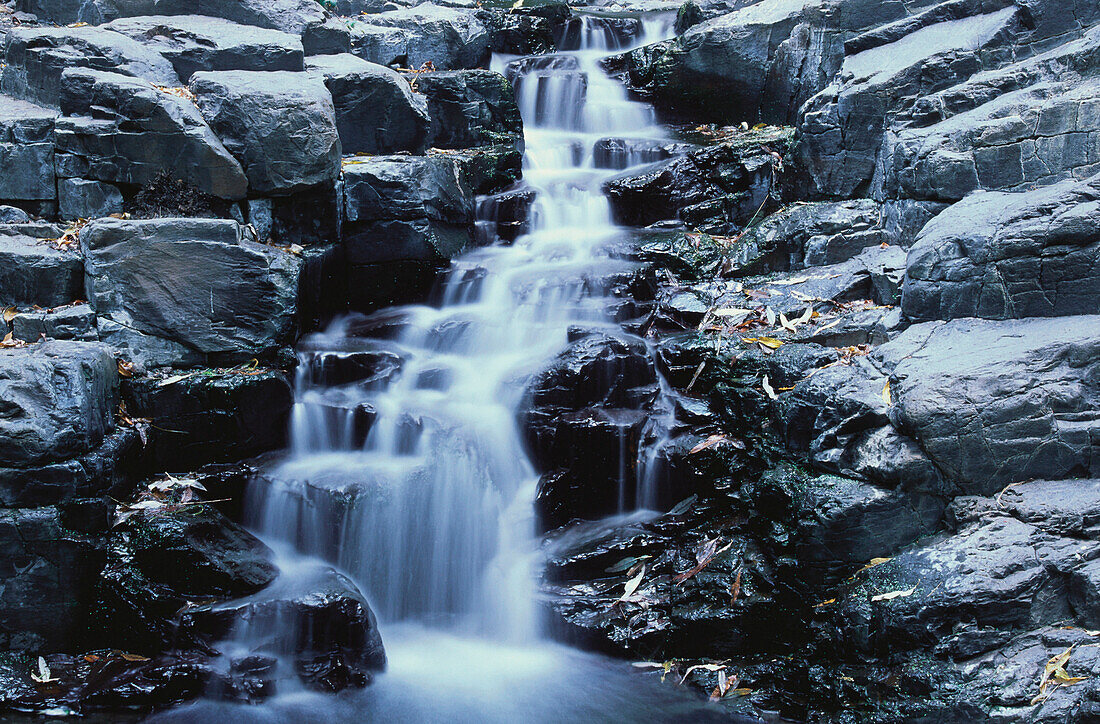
x,y
407,470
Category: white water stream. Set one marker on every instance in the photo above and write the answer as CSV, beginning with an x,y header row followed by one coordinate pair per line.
x,y
430,512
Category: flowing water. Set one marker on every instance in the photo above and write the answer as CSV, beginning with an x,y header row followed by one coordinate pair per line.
x,y
407,470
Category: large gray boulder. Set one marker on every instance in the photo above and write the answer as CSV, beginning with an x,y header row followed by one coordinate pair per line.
x,y
36,57
376,110
842,127
122,130
188,291
304,18
280,125
470,108
450,38
34,272
971,406
1022,139
194,42
59,401
26,151
1004,255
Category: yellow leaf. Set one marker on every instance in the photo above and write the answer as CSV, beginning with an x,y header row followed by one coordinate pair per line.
x,y
886,393
10,314
769,342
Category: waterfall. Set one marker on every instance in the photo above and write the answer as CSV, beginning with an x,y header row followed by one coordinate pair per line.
x,y
406,468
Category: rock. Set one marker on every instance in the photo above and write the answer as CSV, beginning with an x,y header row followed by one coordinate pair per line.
x,y
79,198
320,619
1067,508
715,189
470,108
194,42
159,560
450,38
818,234
488,169
305,18
127,132
26,152
59,401
74,321
759,63
974,406
414,212
841,128
1011,128
36,57
584,416
47,579
188,291
210,417
13,215
1000,574
1001,256
280,125
32,271
376,111
526,28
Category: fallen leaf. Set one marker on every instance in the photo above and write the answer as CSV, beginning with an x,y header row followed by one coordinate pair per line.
x,y
786,323
632,585
172,380
704,554
626,564
769,313
825,603
769,342
704,667
125,369
135,657
683,506
735,587
768,388
10,314
43,674
886,393
894,594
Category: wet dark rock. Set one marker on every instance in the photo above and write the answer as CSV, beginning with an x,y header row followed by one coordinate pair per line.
x,y
714,189
599,31
450,38
47,579
470,108
488,169
526,28
26,152
755,64
188,291
319,618
36,57
160,561
210,416
405,217
622,153
125,131
280,125
584,419
196,42
376,111
508,212
1000,255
